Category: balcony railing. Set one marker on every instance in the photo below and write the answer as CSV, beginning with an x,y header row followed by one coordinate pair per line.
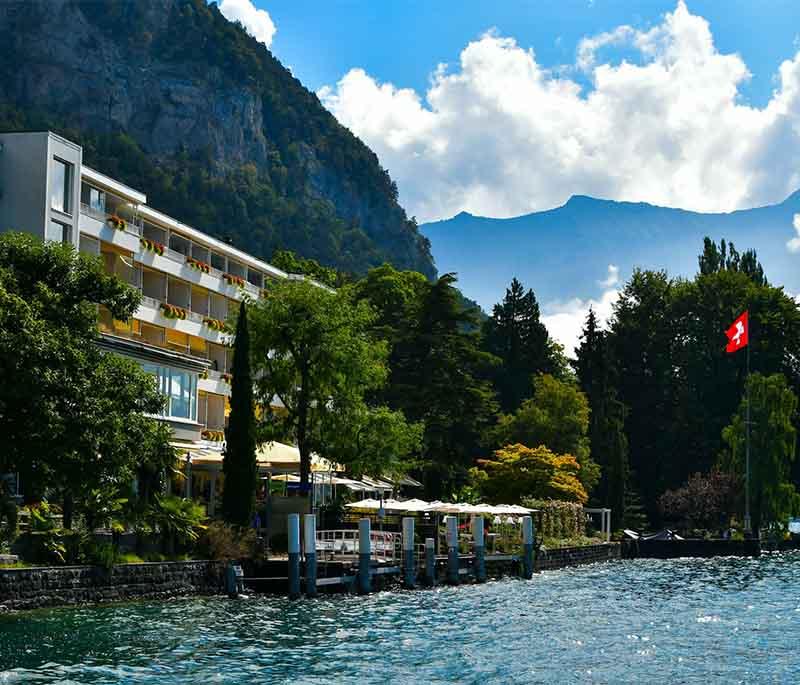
x,y
132,226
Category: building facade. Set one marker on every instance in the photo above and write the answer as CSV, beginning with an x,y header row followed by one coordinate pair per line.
x,y
190,284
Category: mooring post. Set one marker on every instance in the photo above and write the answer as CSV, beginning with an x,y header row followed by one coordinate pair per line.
x,y
364,554
527,547
480,548
293,522
452,550
310,546
231,581
430,562
409,570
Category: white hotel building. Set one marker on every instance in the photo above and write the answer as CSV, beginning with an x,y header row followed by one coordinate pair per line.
x,y
189,281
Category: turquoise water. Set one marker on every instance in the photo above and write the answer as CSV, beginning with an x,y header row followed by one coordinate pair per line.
x,y
644,621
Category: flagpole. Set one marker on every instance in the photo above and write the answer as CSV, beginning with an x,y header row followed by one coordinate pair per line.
x,y
747,447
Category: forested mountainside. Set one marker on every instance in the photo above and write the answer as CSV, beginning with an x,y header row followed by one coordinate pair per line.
x,y
173,99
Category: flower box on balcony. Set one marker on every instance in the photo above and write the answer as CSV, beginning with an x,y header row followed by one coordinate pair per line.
x,y
152,246
204,375
227,378
197,264
170,311
212,435
117,222
217,325
230,279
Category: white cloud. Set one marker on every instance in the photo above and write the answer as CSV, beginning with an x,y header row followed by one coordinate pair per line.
x,y
257,22
565,320
794,243
613,277
500,135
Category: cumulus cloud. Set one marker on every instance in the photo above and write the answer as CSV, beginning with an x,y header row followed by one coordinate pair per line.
x,y
499,135
256,22
613,277
794,243
564,320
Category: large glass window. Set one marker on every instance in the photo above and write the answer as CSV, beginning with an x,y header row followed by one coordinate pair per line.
x,y
93,198
180,244
61,186
180,389
58,232
218,261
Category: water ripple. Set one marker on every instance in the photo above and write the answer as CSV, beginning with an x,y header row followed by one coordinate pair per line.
x,y
687,620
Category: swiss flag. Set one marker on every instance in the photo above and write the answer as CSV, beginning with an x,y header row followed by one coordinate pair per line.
x,y
738,334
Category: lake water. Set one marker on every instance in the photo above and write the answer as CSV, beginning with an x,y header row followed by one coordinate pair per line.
x,y
644,621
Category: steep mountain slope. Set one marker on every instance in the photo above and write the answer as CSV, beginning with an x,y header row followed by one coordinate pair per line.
x,y
172,98
565,252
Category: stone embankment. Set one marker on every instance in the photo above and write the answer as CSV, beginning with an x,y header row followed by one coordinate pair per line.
x,y
33,588
560,557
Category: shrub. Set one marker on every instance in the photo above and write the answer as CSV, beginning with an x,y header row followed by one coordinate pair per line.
x,y
223,542
557,519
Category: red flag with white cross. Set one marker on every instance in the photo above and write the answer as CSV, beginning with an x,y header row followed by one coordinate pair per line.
x,y
738,334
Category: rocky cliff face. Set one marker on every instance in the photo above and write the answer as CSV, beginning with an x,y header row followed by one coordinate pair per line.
x,y
182,82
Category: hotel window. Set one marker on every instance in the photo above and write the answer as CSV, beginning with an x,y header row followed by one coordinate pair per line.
x,y
61,186
89,245
237,269
180,389
255,277
180,244
200,253
93,198
155,233
218,261
197,347
177,340
153,335
58,232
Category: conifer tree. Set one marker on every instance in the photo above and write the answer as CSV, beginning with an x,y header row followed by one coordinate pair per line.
x,y
515,334
239,462
609,445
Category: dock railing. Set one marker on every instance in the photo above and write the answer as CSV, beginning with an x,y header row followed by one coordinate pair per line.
x,y
343,543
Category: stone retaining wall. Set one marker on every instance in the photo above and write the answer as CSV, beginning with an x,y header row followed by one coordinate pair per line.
x,y
574,556
32,588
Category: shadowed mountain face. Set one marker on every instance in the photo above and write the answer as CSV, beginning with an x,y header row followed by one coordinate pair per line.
x,y
564,252
175,100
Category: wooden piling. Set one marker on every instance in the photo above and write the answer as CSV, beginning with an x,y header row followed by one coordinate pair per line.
x,y
364,554
430,562
480,549
293,523
527,547
409,570
452,550
310,546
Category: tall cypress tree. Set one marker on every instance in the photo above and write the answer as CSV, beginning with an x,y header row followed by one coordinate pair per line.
x,y
239,462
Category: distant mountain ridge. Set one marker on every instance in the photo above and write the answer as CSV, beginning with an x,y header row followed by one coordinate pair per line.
x,y
171,98
565,252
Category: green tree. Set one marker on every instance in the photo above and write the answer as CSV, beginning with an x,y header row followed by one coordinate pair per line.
x,y
643,341
773,407
440,378
313,351
516,472
557,416
374,441
596,374
74,418
239,461
515,334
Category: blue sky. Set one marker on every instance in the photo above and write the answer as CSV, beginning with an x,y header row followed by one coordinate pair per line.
x,y
501,109
402,42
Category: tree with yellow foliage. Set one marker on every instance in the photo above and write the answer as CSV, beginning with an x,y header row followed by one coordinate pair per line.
x,y
518,471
